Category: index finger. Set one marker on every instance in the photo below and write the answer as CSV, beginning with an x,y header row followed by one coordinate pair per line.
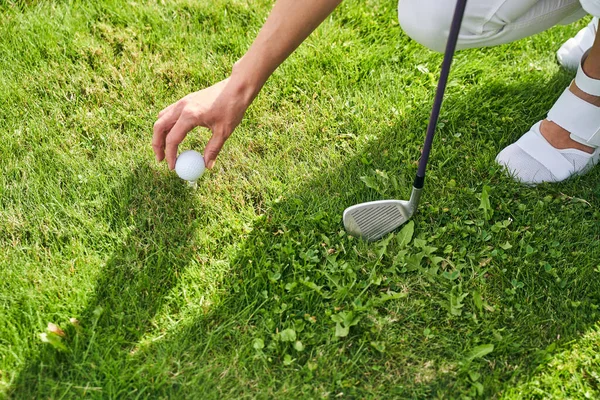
x,y
174,137
161,128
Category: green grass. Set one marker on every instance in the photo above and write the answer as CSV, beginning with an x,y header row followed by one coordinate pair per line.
x,y
248,287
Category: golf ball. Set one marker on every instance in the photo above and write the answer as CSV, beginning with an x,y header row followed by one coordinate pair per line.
x,y
190,165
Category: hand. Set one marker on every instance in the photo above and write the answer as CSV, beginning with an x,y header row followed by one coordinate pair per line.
x,y
219,108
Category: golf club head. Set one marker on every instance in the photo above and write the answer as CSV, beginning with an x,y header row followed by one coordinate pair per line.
x,y
375,219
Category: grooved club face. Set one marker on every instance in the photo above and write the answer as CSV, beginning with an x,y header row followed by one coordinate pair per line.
x,y
373,220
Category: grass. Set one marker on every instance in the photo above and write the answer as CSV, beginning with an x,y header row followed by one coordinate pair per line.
x,y
248,287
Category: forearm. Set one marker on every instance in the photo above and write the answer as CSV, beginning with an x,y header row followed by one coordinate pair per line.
x,y
288,24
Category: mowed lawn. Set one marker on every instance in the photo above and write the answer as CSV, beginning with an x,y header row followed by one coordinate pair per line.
x,y
248,287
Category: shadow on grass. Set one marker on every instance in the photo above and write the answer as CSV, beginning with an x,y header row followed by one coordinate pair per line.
x,y
151,226
296,269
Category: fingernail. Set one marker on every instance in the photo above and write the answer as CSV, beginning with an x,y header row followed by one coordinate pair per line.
x,y
211,164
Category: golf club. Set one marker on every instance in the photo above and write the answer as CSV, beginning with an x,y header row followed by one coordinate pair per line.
x,y
375,219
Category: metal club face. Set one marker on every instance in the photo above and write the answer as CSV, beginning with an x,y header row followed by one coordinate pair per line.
x,y
375,219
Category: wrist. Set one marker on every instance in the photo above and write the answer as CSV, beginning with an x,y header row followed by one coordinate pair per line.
x,y
245,81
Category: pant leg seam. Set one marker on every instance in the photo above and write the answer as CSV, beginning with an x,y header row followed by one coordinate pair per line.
x,y
521,24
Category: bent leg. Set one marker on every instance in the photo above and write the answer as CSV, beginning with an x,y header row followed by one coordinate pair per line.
x,y
486,22
591,6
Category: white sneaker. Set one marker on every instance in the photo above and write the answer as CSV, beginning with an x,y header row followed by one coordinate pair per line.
x,y
572,50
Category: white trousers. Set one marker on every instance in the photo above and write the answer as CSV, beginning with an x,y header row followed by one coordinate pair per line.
x,y
488,22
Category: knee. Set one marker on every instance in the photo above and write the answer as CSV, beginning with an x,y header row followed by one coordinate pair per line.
x,y
591,6
426,21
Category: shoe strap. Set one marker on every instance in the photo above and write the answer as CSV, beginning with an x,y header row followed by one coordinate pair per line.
x,y
577,116
584,82
534,144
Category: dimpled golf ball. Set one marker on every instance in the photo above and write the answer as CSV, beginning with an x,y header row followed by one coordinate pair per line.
x,y
190,165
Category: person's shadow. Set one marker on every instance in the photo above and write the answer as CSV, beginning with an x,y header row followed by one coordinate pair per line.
x,y
150,221
277,258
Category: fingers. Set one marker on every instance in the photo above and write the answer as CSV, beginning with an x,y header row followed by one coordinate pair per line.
x,y
167,118
158,139
176,136
209,108
213,147
166,110
172,128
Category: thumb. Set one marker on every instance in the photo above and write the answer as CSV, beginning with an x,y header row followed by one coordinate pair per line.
x,y
212,149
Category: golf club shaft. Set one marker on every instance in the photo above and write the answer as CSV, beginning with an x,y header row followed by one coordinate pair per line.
x,y
441,88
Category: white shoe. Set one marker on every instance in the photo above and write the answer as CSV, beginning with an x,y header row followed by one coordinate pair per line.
x,y
532,160
572,50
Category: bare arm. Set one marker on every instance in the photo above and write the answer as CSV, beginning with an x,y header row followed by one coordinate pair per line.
x,y
221,107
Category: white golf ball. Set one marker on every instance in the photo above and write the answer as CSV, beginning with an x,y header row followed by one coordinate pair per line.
x,y
190,165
